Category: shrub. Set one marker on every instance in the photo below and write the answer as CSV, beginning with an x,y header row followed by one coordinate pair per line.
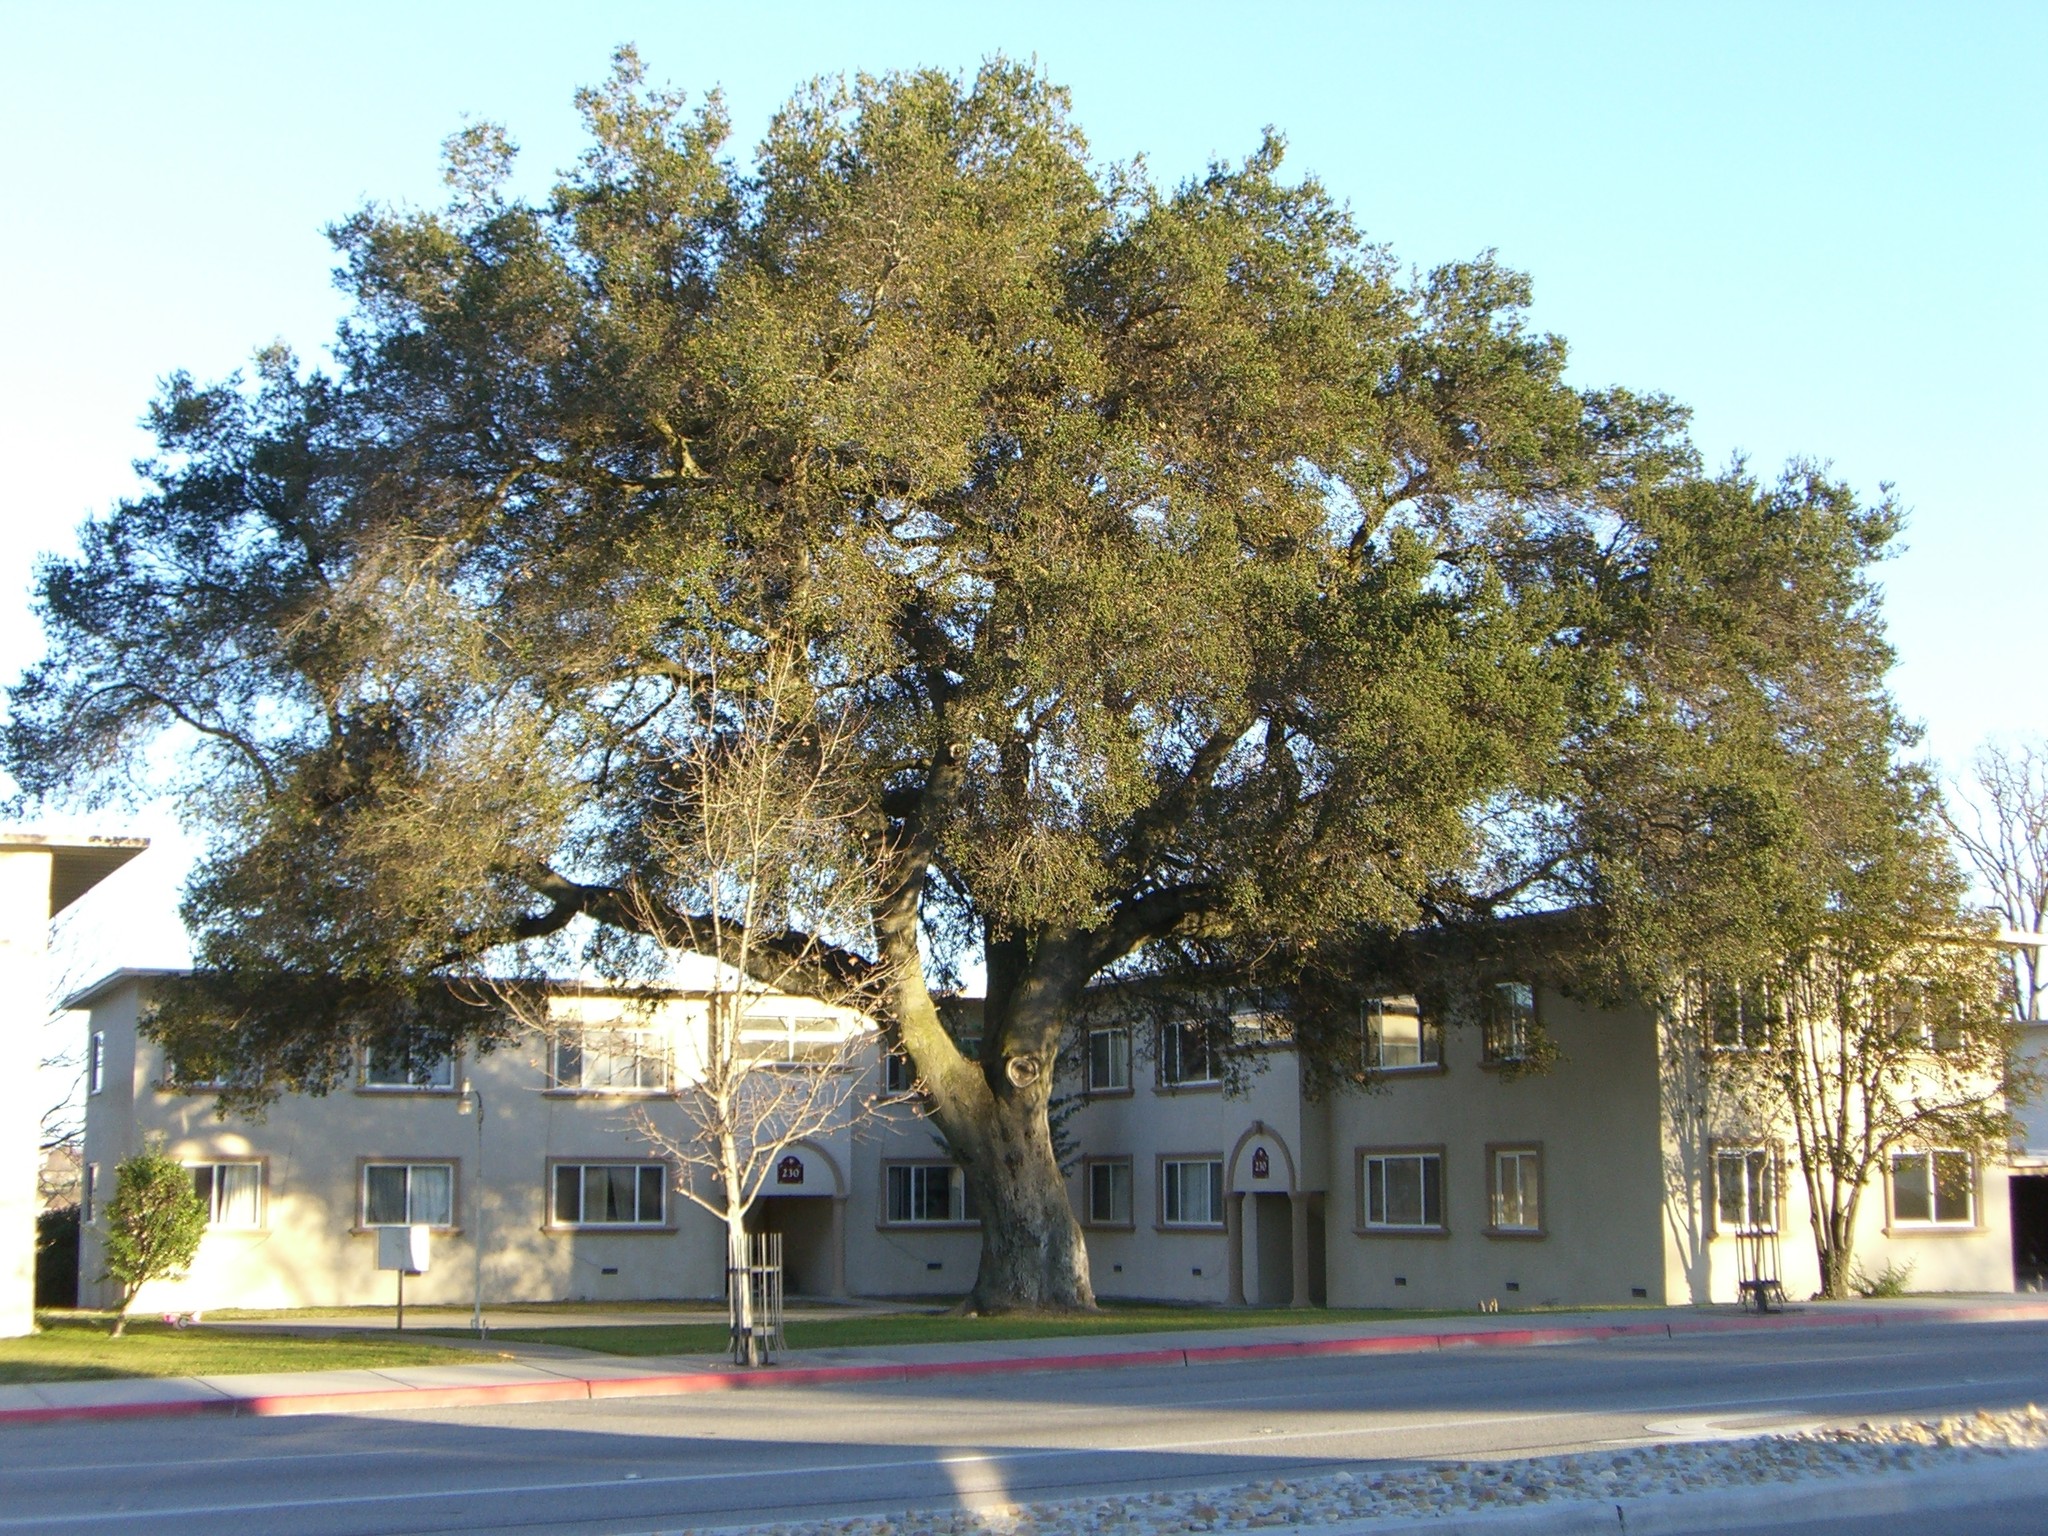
x,y
1890,1281
154,1224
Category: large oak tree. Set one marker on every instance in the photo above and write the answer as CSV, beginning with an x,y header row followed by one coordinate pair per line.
x,y
1207,589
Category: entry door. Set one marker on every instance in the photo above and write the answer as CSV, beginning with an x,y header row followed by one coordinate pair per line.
x,y
1272,1264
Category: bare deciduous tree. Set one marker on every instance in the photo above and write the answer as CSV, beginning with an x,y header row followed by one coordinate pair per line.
x,y
758,851
1999,820
1851,1057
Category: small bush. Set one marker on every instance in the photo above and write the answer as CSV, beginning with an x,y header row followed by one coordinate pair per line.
x,y
154,1224
1888,1282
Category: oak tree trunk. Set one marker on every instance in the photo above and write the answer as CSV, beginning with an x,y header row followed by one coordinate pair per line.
x,y
1032,1254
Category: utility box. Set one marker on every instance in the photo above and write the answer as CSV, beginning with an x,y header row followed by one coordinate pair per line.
x,y
404,1249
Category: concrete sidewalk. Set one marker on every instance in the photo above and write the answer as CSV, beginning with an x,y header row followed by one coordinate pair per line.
x,y
543,1373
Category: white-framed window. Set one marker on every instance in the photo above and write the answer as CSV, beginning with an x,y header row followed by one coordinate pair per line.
x,y
1934,1188
89,1194
802,1039
1403,1189
1109,1192
1742,1016
96,1062
899,1072
231,1192
1109,1060
1509,1026
926,1194
1516,1195
1921,1016
179,1078
608,1195
610,1061
1191,1191
1745,1190
1398,1038
402,1194
1186,1057
417,1071
1260,1026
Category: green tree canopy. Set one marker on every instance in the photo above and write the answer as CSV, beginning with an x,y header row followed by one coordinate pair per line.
x,y
1207,588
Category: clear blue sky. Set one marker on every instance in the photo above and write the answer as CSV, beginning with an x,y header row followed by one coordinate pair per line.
x,y
1820,225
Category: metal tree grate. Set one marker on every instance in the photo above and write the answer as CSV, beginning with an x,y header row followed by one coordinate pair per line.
x,y
754,1299
1758,1284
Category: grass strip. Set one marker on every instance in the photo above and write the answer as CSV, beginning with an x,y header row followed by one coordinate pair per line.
x,y
78,1349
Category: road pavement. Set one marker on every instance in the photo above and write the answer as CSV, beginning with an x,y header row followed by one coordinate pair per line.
x,y
781,1454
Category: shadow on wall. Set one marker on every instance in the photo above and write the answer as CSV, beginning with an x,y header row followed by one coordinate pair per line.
x,y
1683,1091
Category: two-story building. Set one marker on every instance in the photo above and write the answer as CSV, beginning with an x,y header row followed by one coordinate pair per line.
x,y
1455,1179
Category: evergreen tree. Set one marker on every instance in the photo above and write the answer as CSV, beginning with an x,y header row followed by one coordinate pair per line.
x,y
1211,594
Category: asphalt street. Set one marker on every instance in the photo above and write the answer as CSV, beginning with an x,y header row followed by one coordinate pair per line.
x,y
650,1463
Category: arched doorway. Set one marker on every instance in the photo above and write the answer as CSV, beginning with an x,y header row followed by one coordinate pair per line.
x,y
804,1200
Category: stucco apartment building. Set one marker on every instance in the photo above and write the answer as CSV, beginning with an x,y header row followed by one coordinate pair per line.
x,y
1453,1181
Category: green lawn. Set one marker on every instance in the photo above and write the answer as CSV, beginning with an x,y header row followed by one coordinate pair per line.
x,y
945,1328
78,1349
538,1309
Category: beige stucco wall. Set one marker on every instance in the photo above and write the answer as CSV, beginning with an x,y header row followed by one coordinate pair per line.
x,y
1593,1115
24,937
1703,1264
309,1249
1622,1202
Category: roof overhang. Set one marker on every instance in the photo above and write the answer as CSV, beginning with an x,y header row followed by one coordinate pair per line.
x,y
77,864
86,996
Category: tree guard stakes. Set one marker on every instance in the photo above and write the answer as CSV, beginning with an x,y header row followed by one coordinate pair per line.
x,y
39,878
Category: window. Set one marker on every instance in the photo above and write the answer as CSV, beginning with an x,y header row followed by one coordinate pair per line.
x,y
1398,1038
1109,1192
401,1194
1922,1018
1191,1192
814,1039
925,1194
1745,1190
1742,1017
96,1064
1253,1026
899,1073
1934,1189
610,1061
1109,1061
1403,1191
610,1195
1185,1059
181,1078
1517,1193
406,1069
88,1200
1510,1020
231,1192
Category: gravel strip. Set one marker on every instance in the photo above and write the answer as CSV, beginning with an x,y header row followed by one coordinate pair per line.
x,y
1461,1488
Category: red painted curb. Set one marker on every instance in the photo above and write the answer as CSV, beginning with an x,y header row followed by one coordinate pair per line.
x,y
277,1405
180,1408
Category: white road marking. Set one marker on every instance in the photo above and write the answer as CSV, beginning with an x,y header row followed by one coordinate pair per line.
x,y
189,1462
966,1458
